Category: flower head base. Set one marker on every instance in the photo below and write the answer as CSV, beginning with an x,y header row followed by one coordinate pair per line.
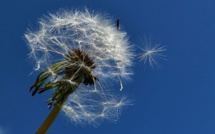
x,y
76,49
68,75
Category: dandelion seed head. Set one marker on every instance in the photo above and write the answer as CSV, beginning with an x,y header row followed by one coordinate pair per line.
x,y
82,30
92,51
93,111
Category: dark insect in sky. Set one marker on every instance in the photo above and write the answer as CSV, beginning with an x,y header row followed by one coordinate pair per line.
x,y
117,24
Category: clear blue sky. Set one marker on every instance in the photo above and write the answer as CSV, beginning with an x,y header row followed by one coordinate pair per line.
x,y
178,98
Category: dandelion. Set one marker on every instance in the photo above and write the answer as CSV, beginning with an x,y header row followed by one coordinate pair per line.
x,y
79,55
152,53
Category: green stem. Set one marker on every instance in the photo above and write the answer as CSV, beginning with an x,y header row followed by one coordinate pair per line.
x,y
49,120
52,116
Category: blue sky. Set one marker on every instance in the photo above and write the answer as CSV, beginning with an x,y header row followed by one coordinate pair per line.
x,y
178,98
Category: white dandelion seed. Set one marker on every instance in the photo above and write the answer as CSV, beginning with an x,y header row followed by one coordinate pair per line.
x,y
79,49
152,53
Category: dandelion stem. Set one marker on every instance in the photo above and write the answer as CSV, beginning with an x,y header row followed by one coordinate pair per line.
x,y
51,117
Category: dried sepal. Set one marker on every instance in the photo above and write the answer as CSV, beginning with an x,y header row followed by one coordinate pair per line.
x,y
67,76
